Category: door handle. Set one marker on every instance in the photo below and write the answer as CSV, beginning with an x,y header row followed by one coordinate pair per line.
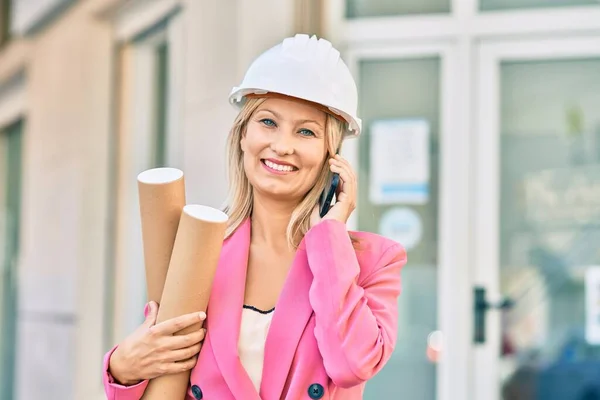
x,y
480,308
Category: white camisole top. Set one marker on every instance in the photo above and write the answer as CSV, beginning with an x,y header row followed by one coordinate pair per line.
x,y
251,345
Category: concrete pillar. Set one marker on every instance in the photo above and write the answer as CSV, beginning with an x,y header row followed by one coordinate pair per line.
x,y
64,209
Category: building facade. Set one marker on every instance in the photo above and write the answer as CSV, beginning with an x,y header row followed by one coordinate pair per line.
x,y
480,153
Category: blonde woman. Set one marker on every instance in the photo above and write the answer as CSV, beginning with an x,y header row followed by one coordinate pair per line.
x,y
300,308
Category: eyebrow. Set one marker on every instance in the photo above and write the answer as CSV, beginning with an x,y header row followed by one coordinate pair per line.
x,y
302,121
311,120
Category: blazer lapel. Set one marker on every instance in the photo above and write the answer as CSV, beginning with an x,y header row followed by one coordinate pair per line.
x,y
292,313
225,311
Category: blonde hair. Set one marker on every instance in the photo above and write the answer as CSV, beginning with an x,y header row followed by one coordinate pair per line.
x,y
240,199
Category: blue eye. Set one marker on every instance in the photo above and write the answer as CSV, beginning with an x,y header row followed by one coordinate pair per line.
x,y
268,122
306,132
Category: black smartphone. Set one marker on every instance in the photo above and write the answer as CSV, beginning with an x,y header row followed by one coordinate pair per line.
x,y
326,199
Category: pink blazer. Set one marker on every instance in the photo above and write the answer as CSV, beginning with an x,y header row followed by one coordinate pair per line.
x,y
333,328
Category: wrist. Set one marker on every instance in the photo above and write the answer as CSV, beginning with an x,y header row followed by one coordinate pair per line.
x,y
118,372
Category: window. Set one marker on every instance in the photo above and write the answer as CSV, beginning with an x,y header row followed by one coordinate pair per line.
x,y
491,5
549,229
5,21
405,91
380,8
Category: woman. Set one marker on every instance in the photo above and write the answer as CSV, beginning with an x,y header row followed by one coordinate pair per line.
x,y
300,308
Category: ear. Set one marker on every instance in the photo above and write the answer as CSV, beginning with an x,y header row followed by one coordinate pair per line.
x,y
243,143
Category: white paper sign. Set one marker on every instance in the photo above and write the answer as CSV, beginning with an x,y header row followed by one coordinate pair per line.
x,y
399,170
592,305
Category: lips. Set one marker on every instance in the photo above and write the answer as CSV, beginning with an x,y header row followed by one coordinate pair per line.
x,y
280,167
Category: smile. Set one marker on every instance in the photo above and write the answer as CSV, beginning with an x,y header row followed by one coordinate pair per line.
x,y
278,168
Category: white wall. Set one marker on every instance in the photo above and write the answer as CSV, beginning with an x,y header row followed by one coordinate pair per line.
x,y
222,39
70,90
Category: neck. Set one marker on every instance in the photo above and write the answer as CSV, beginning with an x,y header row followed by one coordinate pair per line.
x,y
270,219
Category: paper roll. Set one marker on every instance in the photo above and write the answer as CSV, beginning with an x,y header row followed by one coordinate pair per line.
x,y
189,281
161,198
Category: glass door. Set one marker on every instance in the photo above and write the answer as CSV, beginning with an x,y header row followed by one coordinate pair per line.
x,y
407,160
536,331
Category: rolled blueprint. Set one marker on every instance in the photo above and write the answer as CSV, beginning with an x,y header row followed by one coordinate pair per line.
x,y
189,281
161,198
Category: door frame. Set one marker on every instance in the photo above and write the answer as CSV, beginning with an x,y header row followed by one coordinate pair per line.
x,y
486,200
452,368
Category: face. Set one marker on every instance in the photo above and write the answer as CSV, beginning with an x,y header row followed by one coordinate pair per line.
x,y
284,148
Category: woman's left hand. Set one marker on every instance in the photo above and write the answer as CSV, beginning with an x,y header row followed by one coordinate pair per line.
x,y
346,195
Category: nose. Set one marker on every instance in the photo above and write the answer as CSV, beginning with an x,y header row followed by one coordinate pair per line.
x,y
282,143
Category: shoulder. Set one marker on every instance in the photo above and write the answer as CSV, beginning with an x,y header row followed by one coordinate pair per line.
x,y
369,247
379,257
376,250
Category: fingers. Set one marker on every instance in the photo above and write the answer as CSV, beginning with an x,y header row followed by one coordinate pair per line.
x,y
183,341
343,197
343,168
151,314
176,324
182,366
342,173
166,368
181,355
347,175
177,353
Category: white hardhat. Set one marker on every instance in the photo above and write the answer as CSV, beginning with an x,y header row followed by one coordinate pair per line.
x,y
306,68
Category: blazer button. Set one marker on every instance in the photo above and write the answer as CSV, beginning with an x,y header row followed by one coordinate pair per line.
x,y
197,392
315,391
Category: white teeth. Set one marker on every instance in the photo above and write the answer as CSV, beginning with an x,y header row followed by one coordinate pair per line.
x,y
283,168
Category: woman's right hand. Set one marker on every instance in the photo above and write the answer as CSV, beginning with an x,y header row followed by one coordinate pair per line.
x,y
153,350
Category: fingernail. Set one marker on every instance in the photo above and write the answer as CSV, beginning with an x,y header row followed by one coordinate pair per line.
x,y
202,315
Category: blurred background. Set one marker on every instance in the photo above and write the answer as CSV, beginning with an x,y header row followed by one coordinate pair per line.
x,y
480,153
